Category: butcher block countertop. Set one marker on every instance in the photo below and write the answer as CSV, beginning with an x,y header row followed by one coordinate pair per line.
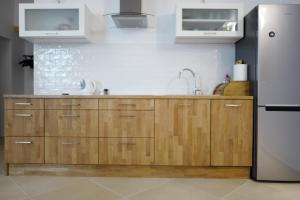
x,y
130,96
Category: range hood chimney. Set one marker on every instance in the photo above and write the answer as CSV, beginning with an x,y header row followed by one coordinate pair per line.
x,y
131,15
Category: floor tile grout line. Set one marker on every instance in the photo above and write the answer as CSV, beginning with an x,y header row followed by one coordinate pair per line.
x,y
149,188
201,190
57,189
20,188
106,188
235,189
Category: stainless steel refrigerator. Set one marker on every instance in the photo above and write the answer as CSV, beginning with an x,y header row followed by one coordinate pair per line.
x,y
271,48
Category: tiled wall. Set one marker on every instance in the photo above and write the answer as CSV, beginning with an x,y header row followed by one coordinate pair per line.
x,y
130,69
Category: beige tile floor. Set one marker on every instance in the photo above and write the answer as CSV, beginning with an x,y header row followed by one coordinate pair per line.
x,y
98,188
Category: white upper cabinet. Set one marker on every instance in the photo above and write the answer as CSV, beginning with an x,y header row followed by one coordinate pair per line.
x,y
209,23
54,22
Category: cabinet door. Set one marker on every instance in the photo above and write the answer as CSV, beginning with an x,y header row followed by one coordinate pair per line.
x,y
24,123
231,132
71,150
182,132
76,123
24,149
113,123
126,151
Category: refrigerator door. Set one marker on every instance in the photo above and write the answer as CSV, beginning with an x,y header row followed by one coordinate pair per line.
x,y
278,69
278,149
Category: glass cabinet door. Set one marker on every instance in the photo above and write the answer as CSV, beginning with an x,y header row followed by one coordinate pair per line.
x,y
210,20
51,19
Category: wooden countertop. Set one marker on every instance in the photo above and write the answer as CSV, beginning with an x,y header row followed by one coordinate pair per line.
x,y
130,96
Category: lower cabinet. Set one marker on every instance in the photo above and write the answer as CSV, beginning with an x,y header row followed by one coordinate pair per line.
x,y
182,132
24,149
159,131
231,132
70,150
126,151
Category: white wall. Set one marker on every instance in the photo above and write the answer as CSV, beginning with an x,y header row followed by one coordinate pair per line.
x,y
12,48
134,61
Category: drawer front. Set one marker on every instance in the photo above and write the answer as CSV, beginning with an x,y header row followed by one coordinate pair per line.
x,y
76,123
64,150
126,151
24,149
24,103
113,123
126,104
84,104
24,122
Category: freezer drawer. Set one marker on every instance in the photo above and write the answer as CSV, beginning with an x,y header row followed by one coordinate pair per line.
x,y
278,144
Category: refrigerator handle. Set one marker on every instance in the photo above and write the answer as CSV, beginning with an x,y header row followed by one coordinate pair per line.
x,y
283,108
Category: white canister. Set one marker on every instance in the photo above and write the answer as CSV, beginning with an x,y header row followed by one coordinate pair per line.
x,y
240,72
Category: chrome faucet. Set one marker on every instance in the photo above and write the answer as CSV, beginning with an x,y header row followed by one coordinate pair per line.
x,y
195,90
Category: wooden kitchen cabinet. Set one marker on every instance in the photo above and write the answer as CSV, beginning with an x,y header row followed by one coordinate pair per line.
x,y
75,123
71,150
231,132
24,149
146,136
182,132
114,123
24,122
126,151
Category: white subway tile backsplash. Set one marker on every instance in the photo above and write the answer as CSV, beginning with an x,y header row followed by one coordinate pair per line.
x,y
130,69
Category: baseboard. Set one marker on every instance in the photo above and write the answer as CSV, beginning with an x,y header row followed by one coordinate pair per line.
x,y
128,171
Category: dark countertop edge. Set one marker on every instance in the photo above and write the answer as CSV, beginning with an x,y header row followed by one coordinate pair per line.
x,y
128,96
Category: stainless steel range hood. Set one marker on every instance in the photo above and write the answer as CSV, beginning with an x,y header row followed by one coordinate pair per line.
x,y
130,15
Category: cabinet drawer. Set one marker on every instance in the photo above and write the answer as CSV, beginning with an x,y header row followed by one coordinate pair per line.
x,y
24,103
71,104
126,104
126,151
24,122
70,150
24,149
114,123
76,123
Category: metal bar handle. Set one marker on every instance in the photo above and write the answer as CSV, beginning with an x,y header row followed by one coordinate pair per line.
x,y
233,105
127,104
23,142
129,116
70,143
23,104
210,33
184,104
127,143
49,33
70,115
23,115
72,104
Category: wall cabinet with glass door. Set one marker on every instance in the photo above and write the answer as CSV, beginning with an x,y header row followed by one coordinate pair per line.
x,y
209,23
57,22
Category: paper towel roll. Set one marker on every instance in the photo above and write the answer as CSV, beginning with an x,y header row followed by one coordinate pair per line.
x,y
240,72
